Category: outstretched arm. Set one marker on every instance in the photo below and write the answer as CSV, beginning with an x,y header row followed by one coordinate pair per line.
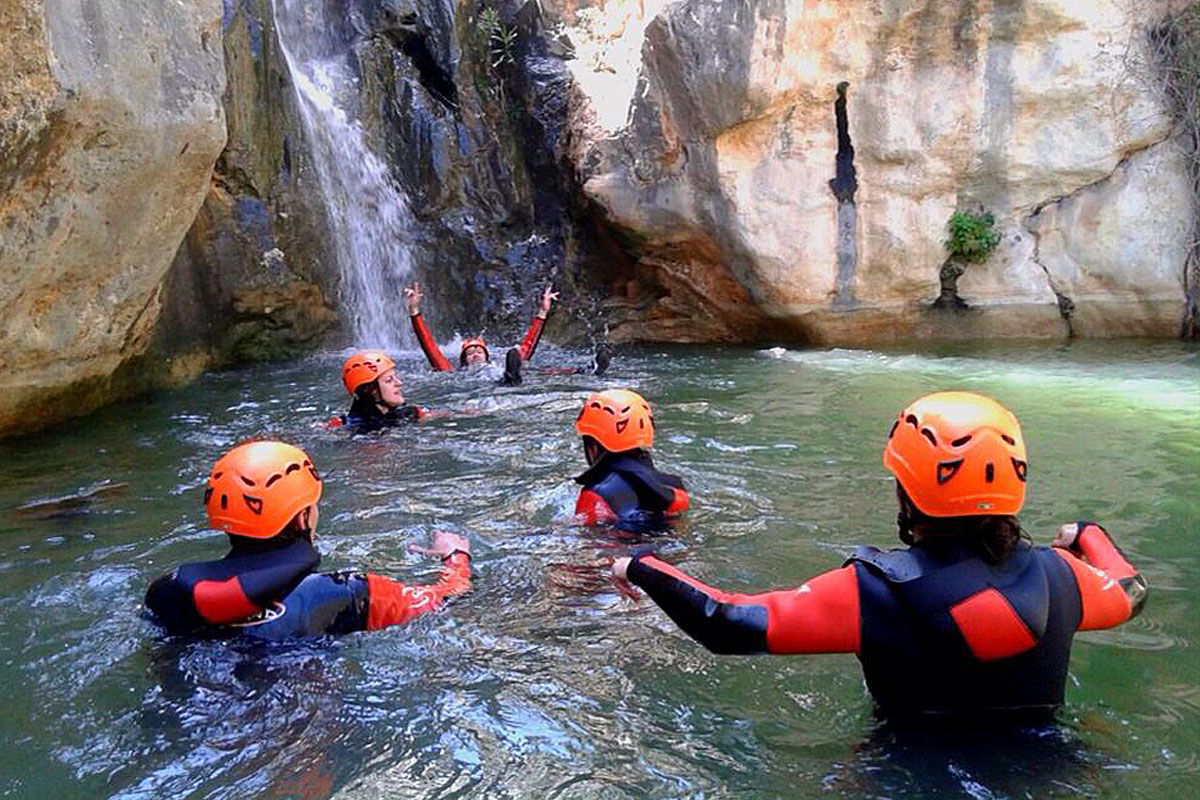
x,y
1110,589
412,299
534,334
819,617
393,603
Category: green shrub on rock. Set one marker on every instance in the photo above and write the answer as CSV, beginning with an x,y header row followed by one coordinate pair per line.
x,y
972,236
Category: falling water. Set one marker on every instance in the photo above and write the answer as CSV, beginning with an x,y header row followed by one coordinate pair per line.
x,y
368,212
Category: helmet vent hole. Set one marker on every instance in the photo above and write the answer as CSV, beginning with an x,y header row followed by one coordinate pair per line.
x,y
625,410
1008,439
946,470
253,503
960,441
642,424
989,472
622,424
246,480
217,475
911,419
272,479
208,495
928,434
224,502
291,468
609,410
892,432
1021,467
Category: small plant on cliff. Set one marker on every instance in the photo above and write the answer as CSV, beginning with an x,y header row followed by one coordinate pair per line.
x,y
501,39
973,237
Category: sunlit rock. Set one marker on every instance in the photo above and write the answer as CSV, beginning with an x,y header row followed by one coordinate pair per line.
x,y
715,158
110,121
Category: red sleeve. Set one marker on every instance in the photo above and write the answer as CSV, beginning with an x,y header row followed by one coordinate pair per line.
x,y
532,337
592,508
819,617
220,602
679,503
393,603
1110,589
425,338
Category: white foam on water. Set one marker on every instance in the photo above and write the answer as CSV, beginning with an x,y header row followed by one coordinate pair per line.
x,y
1143,385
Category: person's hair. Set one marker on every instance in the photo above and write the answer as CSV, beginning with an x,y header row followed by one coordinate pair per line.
x,y
294,531
368,392
993,537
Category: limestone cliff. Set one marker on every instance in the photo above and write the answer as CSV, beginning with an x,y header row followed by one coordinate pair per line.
x,y
110,121
712,137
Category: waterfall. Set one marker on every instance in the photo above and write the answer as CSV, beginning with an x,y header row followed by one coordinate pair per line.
x,y
369,215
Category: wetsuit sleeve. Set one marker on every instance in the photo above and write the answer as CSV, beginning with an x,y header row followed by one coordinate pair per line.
x,y
819,617
1110,589
430,348
393,603
679,502
532,337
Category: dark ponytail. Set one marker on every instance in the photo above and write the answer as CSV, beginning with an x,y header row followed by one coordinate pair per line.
x,y
992,537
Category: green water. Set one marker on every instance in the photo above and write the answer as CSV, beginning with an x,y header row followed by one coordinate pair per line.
x,y
542,682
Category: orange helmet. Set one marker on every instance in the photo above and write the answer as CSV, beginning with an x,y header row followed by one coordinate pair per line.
x,y
474,342
958,454
618,419
257,488
363,368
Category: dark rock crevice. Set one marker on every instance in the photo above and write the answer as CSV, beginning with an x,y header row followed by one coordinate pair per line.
x,y
948,299
844,185
409,37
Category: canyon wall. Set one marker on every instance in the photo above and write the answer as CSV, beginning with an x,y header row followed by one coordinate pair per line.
x,y
110,121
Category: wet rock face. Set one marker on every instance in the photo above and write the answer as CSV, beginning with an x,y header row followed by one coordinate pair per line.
x,y
110,121
470,133
255,277
790,166
472,127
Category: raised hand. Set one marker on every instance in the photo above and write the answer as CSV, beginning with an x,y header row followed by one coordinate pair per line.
x,y
412,299
548,297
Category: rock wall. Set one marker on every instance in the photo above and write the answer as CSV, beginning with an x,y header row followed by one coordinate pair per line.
x,y
711,136
475,146
255,278
110,121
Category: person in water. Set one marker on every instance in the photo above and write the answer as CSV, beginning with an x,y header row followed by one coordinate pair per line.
x,y
264,496
473,352
970,616
621,484
378,397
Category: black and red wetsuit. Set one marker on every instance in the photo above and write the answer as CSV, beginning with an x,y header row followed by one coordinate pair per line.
x,y
440,363
364,416
276,594
626,489
937,631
